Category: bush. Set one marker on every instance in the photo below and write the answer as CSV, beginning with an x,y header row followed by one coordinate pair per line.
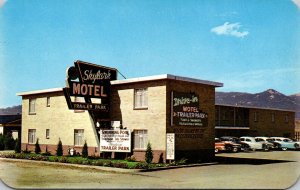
x,y
120,165
46,153
149,154
85,152
59,150
37,149
18,146
141,165
130,159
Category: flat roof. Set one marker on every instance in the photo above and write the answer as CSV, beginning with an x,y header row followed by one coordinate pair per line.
x,y
255,107
166,76
39,91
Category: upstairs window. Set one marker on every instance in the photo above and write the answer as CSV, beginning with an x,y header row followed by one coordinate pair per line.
x,y
32,106
141,98
255,116
47,133
273,117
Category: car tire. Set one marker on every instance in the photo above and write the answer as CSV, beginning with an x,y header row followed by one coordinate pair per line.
x,y
283,148
235,149
216,150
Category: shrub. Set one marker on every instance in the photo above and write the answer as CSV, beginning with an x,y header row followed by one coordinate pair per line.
x,y
62,159
149,154
18,146
141,165
85,152
120,165
130,159
46,153
59,150
37,149
182,161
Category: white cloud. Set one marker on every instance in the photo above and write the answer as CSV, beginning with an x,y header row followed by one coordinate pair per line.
x,y
230,30
297,3
2,2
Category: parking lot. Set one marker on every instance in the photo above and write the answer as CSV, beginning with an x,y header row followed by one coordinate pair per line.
x,y
254,170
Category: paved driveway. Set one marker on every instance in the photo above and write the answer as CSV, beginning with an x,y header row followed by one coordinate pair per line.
x,y
263,170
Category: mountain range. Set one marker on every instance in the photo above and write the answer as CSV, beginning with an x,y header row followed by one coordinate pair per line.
x,y
266,99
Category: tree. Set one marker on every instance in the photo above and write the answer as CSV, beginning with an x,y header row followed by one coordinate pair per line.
x,y
59,150
9,142
149,154
85,152
37,149
1,142
18,146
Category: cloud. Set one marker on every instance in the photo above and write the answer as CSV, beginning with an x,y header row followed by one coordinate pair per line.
x,y
2,2
230,30
297,3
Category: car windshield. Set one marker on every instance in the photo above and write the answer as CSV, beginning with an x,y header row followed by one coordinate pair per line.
x,y
259,140
270,140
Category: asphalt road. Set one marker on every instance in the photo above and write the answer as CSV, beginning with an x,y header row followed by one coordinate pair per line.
x,y
253,170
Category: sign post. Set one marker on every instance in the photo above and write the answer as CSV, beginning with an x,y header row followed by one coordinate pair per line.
x,y
170,146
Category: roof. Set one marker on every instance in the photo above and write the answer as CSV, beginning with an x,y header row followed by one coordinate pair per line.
x,y
133,80
4,119
40,91
166,76
256,107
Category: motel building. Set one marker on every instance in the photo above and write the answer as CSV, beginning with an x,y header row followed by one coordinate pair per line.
x,y
177,115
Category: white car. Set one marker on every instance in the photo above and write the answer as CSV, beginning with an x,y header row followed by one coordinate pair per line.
x,y
266,140
254,145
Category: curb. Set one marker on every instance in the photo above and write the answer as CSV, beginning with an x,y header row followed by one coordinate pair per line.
x,y
176,167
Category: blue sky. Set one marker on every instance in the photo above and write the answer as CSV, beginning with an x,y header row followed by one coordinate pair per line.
x,y
250,46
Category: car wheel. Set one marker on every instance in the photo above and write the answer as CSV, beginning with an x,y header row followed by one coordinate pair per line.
x,y
284,148
234,149
216,150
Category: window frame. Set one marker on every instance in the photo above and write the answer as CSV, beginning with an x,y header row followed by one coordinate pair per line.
x,y
32,136
140,139
76,135
32,106
48,101
142,101
47,133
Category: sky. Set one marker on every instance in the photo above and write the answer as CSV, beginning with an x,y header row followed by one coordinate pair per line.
x,y
249,46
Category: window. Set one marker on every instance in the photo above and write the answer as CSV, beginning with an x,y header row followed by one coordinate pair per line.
x,y
141,98
255,116
286,119
140,139
78,137
31,136
48,101
273,117
32,106
47,133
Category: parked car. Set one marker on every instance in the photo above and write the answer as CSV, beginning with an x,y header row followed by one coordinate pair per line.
x,y
254,145
219,145
227,146
266,140
285,143
236,143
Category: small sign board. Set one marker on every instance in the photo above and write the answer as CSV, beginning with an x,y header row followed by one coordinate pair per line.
x,y
115,140
170,146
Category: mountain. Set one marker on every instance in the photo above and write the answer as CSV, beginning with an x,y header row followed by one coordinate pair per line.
x,y
267,99
11,110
